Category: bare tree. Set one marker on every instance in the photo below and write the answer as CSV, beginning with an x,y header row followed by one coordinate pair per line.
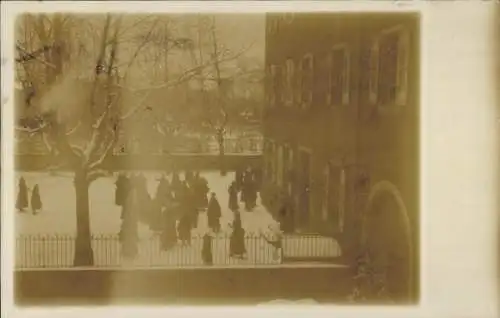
x,y
98,112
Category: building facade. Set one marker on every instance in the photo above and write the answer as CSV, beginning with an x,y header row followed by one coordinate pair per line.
x,y
341,129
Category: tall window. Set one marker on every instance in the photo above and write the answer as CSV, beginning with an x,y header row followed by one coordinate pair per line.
x,y
333,207
289,82
280,165
307,77
389,67
339,76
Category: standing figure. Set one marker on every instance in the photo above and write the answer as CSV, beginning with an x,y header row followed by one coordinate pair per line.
x,y
206,251
237,240
36,202
143,199
120,192
233,197
22,196
168,235
202,190
175,184
184,229
190,206
162,191
250,193
239,179
214,213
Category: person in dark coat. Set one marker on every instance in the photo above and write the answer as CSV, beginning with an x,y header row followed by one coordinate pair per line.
x,y
214,213
237,239
144,202
206,251
168,235
190,206
22,196
233,197
36,202
162,191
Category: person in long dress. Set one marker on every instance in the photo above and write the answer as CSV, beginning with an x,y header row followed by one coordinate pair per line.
x,y
233,197
36,202
237,239
214,213
22,195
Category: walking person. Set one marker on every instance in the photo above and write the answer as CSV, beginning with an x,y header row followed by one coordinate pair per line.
x,y
36,202
22,196
214,213
237,240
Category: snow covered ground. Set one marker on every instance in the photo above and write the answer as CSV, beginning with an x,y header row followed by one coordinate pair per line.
x,y
46,239
58,197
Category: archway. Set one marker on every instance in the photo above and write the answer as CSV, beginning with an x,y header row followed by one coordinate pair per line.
x,y
386,236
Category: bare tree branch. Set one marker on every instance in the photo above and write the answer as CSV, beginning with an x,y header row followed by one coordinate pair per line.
x,y
72,130
139,48
33,56
187,75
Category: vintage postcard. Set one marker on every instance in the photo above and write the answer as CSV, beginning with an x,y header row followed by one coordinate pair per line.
x,y
212,157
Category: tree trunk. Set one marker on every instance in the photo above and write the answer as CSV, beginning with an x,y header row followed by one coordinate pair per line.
x,y
220,139
84,255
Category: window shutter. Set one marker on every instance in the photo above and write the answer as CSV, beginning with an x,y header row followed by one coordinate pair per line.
x,y
402,73
374,72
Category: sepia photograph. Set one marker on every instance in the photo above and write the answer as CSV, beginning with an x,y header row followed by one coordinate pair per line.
x,y
174,143
226,158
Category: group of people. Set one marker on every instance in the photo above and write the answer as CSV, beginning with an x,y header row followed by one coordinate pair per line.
x,y
22,201
173,211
